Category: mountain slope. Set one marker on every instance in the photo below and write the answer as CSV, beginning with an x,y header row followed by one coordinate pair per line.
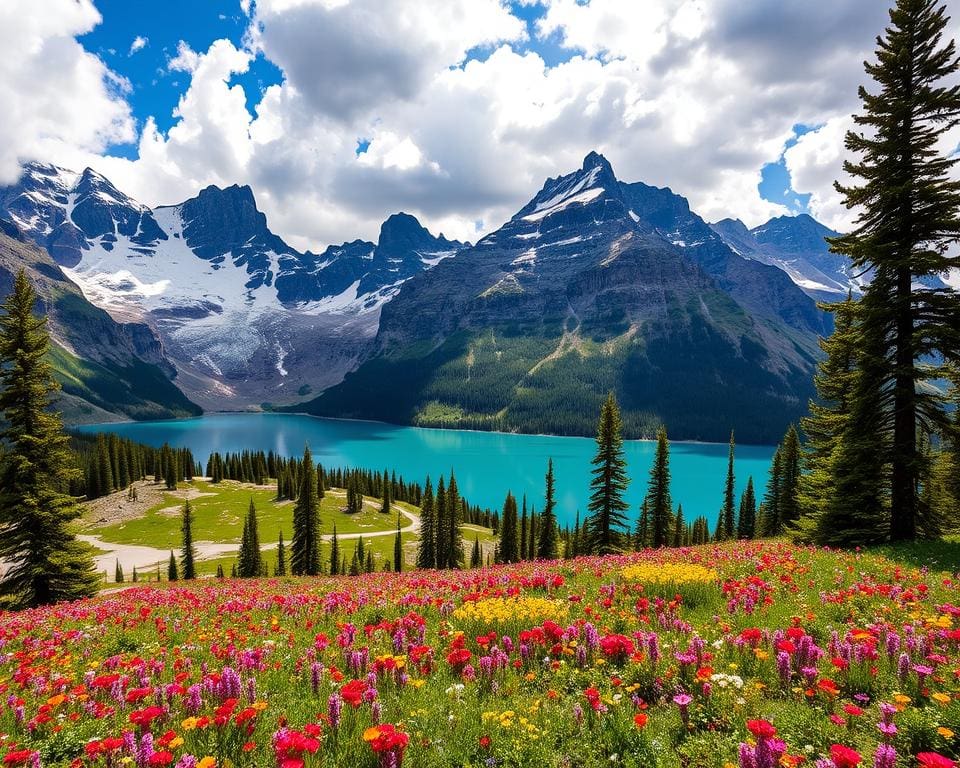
x,y
245,317
798,246
580,293
108,370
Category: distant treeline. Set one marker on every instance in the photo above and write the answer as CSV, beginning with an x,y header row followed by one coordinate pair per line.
x,y
110,463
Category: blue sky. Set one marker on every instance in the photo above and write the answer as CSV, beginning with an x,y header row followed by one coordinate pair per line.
x,y
340,114
155,89
163,26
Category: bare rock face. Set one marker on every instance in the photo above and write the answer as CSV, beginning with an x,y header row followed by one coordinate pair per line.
x,y
245,318
107,369
593,285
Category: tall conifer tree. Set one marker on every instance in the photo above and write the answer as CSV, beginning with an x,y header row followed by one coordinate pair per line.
x,y
45,562
658,492
188,552
426,553
909,204
547,548
727,527
305,546
607,505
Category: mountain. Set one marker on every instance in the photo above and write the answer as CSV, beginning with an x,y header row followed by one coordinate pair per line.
x,y
245,317
107,370
798,246
593,285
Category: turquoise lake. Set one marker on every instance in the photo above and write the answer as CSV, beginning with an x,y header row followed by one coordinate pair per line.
x,y
486,464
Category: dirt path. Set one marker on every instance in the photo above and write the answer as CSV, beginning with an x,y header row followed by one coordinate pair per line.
x,y
143,557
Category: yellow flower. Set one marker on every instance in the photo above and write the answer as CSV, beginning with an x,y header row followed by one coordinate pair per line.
x,y
499,610
189,724
371,734
418,683
941,698
175,742
259,706
945,732
669,573
207,762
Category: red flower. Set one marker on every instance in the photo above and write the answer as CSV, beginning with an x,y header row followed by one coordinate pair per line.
x,y
160,758
616,647
353,691
640,720
458,658
761,729
934,760
844,757
18,758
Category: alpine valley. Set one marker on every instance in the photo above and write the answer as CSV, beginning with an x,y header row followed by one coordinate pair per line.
x,y
595,285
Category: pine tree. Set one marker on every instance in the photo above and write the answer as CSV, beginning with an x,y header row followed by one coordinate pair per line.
x,y
829,414
426,554
118,573
355,564
524,526
135,577
250,559
385,506
219,570
398,548
790,478
770,519
334,553
726,528
658,492
173,574
454,519
188,553
547,548
305,546
281,556
509,544
607,506
368,562
641,536
46,562
441,535
361,551
909,217
747,518
476,557
678,528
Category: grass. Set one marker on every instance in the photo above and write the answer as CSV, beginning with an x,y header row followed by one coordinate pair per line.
x,y
219,512
218,518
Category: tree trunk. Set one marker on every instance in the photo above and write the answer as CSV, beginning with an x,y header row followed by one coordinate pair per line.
x,y
903,496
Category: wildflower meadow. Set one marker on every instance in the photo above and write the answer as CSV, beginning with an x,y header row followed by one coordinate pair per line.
x,y
749,655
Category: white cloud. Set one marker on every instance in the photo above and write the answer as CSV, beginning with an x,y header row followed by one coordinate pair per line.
x,y
139,43
186,60
59,101
689,94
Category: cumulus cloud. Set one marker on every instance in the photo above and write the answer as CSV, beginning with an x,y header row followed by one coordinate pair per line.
x,y
139,43
58,99
689,94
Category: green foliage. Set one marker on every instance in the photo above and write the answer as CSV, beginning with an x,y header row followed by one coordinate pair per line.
x,y
547,548
426,550
725,524
508,549
188,553
46,562
607,520
658,493
909,203
305,546
249,558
